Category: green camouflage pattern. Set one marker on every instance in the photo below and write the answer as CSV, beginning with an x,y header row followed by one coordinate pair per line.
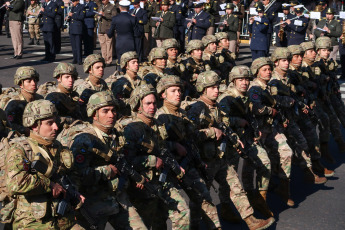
x,y
170,43
258,63
307,45
194,45
126,57
92,59
295,49
323,43
38,110
240,71
206,79
209,39
65,68
280,53
25,72
99,100
221,35
139,93
168,81
157,53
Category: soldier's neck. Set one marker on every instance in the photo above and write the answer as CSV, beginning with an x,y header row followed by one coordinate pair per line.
x,y
308,61
196,60
208,101
101,127
41,140
280,72
172,60
95,81
261,81
145,119
171,107
132,75
62,89
27,95
158,69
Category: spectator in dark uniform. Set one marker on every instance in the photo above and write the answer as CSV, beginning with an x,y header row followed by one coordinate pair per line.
x,y
124,25
271,14
179,27
199,23
282,41
164,28
49,10
59,24
88,26
258,27
141,19
296,28
2,15
76,15
342,53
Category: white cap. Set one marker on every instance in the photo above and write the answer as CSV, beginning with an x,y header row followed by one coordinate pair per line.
x,y
286,4
298,6
124,3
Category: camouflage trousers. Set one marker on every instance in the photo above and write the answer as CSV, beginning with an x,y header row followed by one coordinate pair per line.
x,y
155,213
339,108
279,152
230,188
119,212
298,143
308,130
322,115
334,123
201,206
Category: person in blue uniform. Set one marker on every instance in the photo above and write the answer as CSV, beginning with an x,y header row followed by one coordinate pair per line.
x,y
258,27
281,33
179,27
297,28
271,13
199,23
124,25
58,24
88,26
49,10
141,19
76,18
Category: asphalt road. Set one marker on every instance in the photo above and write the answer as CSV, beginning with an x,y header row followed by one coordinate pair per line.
x,y
317,206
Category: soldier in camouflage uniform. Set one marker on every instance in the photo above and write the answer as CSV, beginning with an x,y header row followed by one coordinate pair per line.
x,y
14,101
280,88
330,92
225,58
37,194
64,97
191,67
98,179
236,106
207,117
271,126
93,65
124,85
179,129
210,44
172,48
304,100
144,144
157,63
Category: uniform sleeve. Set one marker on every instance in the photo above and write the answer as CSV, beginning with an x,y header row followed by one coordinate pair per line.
x,y
170,22
317,32
91,12
60,8
258,107
284,101
18,6
19,180
204,23
336,32
233,26
52,13
144,18
110,33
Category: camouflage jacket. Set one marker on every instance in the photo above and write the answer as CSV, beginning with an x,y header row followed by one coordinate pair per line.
x,y
149,69
190,69
172,68
85,89
325,72
226,61
211,60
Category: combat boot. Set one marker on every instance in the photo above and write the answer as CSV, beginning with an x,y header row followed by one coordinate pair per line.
x,y
257,224
311,177
325,153
37,41
319,168
283,190
31,42
258,201
227,214
341,145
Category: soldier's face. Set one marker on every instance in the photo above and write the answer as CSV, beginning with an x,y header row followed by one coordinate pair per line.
x,y
197,54
212,92
310,54
265,2
297,59
197,10
261,13
32,2
29,85
105,2
160,62
229,11
67,80
172,53
97,69
286,12
265,72
149,105
212,47
224,43
106,116
173,95
324,53
282,64
47,129
165,7
330,16
133,65
242,84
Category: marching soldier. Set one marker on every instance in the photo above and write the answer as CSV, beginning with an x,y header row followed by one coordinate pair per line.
x,y
76,19
49,10
172,47
330,28
231,24
34,27
197,23
26,77
96,177
297,28
208,56
91,9
157,63
164,28
58,24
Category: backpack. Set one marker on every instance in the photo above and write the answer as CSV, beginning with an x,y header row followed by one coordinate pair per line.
x,y
187,103
48,87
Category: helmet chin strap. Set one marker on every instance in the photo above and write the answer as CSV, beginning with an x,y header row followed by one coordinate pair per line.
x,y
38,132
131,69
96,76
29,91
263,78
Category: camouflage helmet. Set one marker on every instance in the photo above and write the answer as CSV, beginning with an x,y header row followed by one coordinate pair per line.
x,y
157,53
25,72
323,43
194,45
168,81
92,59
240,71
209,39
38,110
170,43
221,35
126,57
206,79
258,63
280,53
295,49
139,93
307,46
99,100
65,68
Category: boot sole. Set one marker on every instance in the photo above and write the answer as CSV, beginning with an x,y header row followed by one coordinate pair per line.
x,y
329,175
267,225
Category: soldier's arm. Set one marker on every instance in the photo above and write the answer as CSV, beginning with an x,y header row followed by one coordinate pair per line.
x,y
110,33
19,180
91,13
263,27
60,9
144,18
300,28
284,101
170,22
234,25
317,32
52,13
258,107
336,32
18,6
